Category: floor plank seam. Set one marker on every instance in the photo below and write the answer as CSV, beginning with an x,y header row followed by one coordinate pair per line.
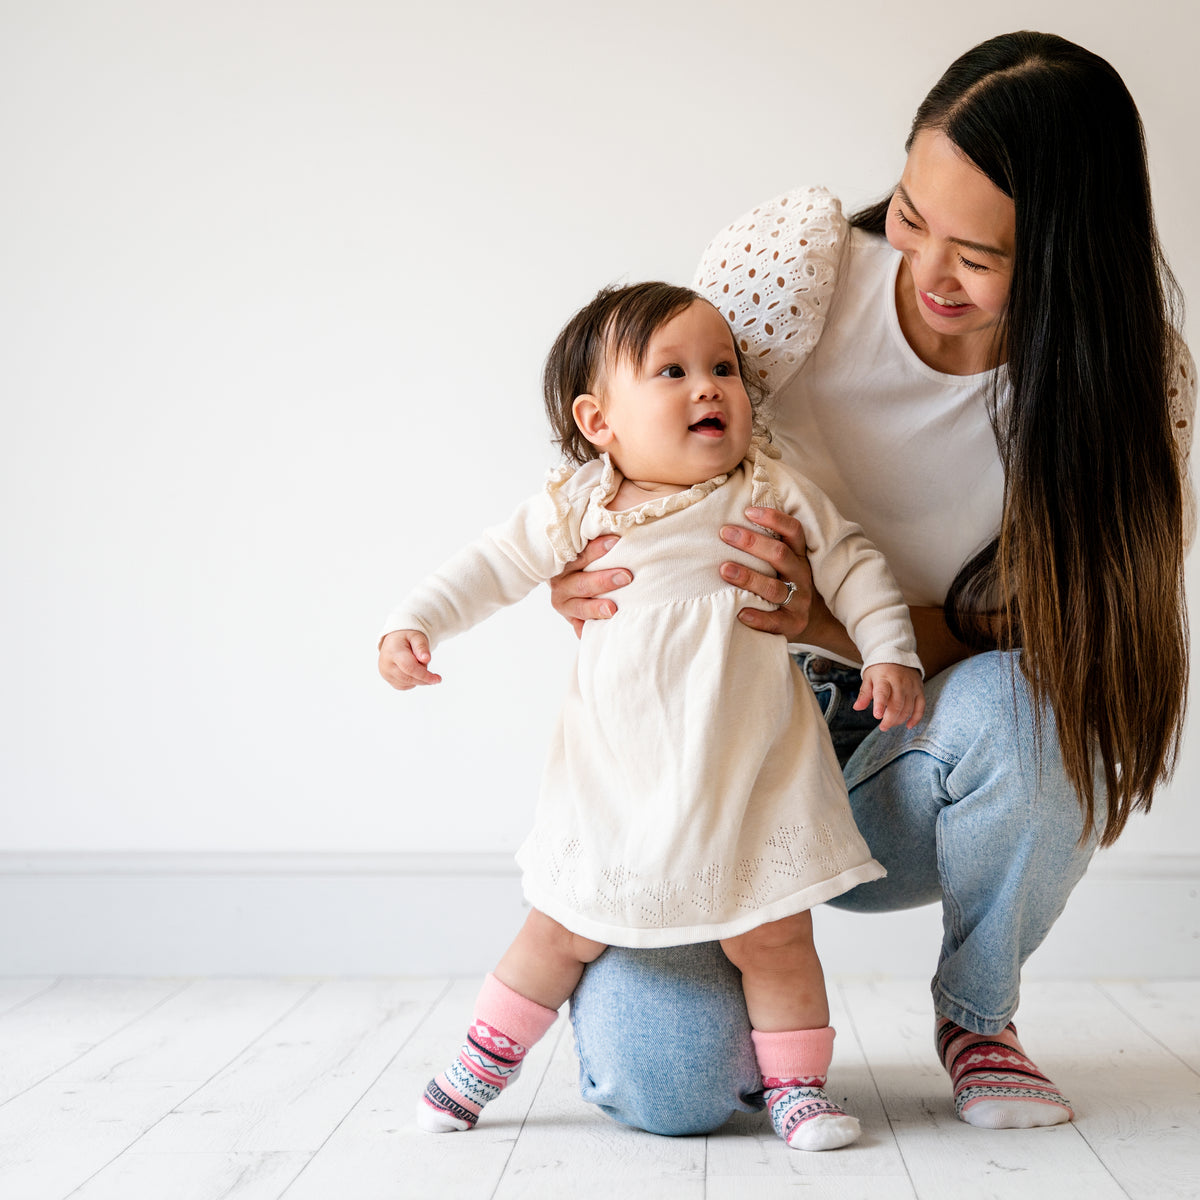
x,y
849,1011
433,1006
12,1008
367,1090
300,1089
198,1088
1100,1159
552,1051
1145,1029
106,1038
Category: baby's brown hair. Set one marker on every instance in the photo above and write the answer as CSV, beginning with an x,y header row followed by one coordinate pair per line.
x,y
617,324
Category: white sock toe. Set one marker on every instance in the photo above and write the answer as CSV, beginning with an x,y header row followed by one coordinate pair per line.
x,y
825,1133
432,1121
999,1114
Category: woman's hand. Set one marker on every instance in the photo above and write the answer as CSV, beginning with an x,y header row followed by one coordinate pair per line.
x,y
573,590
402,658
805,616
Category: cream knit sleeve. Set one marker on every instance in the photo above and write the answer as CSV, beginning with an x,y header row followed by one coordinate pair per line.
x,y
772,274
502,567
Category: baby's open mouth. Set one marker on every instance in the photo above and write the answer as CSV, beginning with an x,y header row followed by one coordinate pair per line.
x,y
710,422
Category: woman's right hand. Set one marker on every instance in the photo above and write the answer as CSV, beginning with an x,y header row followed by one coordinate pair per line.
x,y
574,591
787,554
806,616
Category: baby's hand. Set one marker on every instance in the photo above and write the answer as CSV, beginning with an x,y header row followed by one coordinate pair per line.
x,y
402,658
897,692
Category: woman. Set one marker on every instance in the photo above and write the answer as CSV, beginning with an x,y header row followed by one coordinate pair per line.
x,y
997,394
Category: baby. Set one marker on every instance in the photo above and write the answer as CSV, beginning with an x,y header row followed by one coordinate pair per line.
x,y
691,792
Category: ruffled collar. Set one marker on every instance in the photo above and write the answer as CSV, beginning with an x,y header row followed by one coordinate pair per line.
x,y
651,510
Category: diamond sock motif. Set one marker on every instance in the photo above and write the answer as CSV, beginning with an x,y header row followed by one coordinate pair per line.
x,y
995,1084
794,1066
487,1062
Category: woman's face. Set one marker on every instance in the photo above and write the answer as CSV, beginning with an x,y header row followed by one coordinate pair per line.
x,y
956,230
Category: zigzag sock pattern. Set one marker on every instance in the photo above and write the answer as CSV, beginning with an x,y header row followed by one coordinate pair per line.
x,y
487,1063
503,1028
794,1065
793,1103
996,1086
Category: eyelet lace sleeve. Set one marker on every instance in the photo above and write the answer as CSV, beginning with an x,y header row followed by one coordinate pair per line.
x,y
1181,405
772,274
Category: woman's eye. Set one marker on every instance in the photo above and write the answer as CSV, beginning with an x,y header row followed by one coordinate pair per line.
x,y
971,266
904,220
674,371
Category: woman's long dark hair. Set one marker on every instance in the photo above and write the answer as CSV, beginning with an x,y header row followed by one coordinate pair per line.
x,y
1087,572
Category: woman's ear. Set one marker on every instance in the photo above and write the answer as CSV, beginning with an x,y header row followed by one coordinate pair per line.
x,y
589,416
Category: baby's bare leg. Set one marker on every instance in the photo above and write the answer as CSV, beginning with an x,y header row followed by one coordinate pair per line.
x,y
517,1005
789,1012
545,961
781,975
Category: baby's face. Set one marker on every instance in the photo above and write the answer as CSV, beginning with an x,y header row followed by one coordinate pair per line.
x,y
683,416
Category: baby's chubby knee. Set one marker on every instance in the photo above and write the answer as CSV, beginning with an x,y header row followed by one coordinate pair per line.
x,y
554,938
778,940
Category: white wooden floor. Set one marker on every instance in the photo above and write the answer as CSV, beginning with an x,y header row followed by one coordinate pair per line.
x,y
168,1089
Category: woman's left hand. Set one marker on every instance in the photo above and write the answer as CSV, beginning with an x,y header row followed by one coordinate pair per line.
x,y
788,554
805,617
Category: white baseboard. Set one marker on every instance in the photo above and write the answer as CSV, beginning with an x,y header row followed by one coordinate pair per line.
x,y
423,914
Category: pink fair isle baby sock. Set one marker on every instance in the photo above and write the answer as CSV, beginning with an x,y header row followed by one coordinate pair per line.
x,y
995,1084
794,1066
505,1025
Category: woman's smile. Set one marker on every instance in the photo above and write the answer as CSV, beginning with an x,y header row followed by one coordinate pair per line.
x,y
957,233
944,307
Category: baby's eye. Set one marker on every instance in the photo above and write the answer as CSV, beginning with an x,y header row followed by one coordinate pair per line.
x,y
674,371
723,368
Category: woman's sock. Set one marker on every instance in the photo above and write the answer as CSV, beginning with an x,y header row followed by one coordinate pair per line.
x,y
505,1025
995,1084
794,1067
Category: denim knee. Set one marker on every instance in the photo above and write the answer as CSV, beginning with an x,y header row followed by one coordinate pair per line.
x,y
973,807
663,1039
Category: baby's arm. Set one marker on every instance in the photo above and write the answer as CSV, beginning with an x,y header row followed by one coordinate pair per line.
x,y
499,569
897,692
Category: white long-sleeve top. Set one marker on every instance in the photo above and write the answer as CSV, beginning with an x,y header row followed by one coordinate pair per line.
x,y
906,451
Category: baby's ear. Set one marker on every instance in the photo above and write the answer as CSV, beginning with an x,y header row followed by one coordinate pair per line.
x,y
589,416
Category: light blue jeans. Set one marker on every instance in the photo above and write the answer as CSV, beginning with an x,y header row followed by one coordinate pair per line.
x,y
966,809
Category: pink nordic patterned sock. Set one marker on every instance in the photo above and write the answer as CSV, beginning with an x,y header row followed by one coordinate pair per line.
x,y
505,1025
995,1084
794,1067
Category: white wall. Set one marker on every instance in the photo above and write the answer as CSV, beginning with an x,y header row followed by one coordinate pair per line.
x,y
274,275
